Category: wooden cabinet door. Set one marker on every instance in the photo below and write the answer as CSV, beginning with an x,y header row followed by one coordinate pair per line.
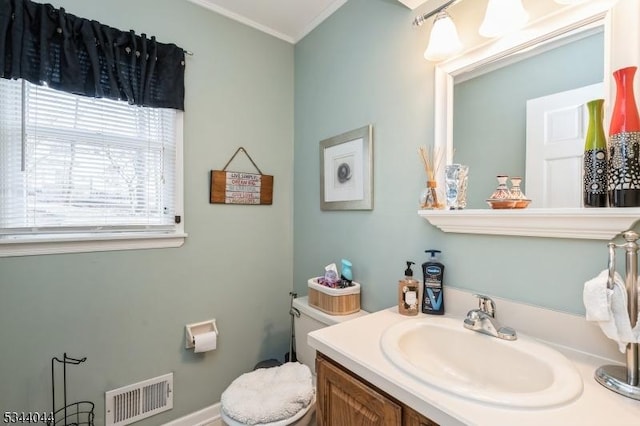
x,y
343,400
412,418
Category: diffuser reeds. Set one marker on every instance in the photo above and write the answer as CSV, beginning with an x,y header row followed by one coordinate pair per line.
x,y
432,161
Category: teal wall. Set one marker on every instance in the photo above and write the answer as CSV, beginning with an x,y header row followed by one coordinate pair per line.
x,y
126,311
489,120
365,65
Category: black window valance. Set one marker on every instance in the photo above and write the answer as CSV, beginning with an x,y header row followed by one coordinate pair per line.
x,y
45,45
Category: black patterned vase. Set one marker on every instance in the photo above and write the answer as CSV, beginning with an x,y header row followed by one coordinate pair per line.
x,y
595,158
624,144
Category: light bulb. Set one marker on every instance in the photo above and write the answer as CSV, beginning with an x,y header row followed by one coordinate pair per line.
x,y
443,41
503,17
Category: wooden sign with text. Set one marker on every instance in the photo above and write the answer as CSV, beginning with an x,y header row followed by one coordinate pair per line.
x,y
241,188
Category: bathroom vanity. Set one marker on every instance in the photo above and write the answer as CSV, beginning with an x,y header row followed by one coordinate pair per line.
x,y
359,384
345,399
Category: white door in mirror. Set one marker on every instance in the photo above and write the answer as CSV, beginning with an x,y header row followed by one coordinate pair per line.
x,y
556,129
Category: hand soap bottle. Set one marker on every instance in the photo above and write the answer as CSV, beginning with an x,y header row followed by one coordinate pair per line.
x,y
432,291
408,293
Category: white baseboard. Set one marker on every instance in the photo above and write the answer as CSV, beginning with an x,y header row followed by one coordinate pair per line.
x,y
208,416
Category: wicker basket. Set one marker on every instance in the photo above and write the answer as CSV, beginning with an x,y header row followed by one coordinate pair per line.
x,y
334,301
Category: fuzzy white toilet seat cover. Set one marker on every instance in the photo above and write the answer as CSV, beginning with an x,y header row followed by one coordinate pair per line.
x,y
268,395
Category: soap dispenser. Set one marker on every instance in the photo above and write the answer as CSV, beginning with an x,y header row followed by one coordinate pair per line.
x,y
433,291
408,293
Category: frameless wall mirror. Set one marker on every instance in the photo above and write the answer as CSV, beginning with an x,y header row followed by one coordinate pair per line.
x,y
481,97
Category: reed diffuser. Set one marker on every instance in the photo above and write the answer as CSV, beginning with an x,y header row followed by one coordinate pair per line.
x,y
432,161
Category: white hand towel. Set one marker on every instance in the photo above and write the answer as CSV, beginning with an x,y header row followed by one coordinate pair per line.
x,y
596,298
615,322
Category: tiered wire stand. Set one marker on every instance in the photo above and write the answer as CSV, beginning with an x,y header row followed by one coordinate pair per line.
x,y
625,379
71,414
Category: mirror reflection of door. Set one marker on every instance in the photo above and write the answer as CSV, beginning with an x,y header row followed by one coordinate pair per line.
x,y
556,130
489,108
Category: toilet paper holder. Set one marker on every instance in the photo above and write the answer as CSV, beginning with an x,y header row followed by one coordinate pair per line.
x,y
194,329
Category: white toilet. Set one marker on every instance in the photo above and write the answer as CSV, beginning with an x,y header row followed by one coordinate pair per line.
x,y
310,319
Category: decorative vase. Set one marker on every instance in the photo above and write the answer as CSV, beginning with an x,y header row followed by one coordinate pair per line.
x,y
501,198
516,193
624,144
456,177
502,191
595,158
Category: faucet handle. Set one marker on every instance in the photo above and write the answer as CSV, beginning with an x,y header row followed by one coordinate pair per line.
x,y
486,304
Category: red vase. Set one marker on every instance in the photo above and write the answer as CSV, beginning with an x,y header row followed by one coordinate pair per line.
x,y
624,143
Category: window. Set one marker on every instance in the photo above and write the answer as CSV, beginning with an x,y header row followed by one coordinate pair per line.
x,y
75,168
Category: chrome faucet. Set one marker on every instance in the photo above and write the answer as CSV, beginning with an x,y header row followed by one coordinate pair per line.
x,y
483,320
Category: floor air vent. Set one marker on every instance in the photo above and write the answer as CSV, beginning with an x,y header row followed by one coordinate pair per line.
x,y
138,401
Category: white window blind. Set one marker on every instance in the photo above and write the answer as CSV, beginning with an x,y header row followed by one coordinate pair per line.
x,y
73,164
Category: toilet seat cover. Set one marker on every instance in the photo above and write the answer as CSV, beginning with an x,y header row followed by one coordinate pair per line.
x,y
269,395
228,421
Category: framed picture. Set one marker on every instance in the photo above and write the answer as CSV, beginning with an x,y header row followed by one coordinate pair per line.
x,y
346,171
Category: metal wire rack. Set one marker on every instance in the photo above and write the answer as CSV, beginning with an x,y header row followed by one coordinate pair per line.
x,y
70,414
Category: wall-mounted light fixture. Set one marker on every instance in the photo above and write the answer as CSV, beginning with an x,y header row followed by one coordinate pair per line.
x,y
501,17
444,41
569,1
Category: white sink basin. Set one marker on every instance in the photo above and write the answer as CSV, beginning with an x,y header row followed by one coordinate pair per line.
x,y
523,373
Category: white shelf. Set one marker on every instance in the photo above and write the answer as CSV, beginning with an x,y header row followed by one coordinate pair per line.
x,y
592,224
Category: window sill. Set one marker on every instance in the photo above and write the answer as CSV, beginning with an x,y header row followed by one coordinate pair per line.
x,y
596,223
30,246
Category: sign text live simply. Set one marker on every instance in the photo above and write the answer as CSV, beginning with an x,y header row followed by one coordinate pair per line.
x,y
243,188
240,188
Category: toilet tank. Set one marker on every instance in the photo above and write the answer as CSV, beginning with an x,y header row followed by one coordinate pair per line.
x,y
312,319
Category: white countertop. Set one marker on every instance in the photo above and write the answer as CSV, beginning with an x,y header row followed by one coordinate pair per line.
x,y
355,344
